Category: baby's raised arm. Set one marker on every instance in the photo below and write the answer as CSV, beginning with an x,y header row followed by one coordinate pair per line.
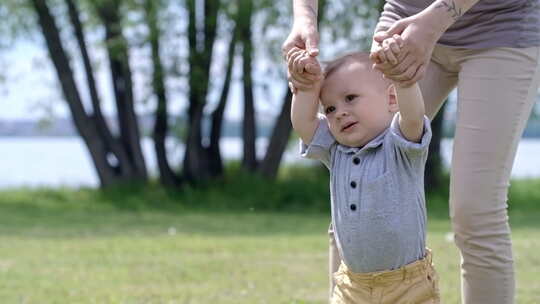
x,y
410,100
305,102
411,111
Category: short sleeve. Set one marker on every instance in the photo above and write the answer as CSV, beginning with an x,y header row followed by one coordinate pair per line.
x,y
320,146
408,147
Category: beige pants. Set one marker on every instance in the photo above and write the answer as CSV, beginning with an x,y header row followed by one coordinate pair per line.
x,y
413,283
497,89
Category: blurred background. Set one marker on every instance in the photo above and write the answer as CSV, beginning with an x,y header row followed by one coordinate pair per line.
x,y
142,118
115,91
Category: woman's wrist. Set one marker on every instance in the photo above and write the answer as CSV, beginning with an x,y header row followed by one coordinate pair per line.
x,y
436,20
441,15
305,22
305,10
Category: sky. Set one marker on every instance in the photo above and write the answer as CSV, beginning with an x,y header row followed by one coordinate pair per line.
x,y
30,89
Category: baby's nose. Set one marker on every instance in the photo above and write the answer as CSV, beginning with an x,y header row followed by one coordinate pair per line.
x,y
342,113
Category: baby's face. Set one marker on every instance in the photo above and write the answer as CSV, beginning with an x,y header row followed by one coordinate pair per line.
x,y
355,100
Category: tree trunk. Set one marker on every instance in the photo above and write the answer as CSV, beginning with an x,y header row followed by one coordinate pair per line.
x,y
216,163
85,126
434,166
167,176
102,145
196,160
249,129
279,139
111,144
122,86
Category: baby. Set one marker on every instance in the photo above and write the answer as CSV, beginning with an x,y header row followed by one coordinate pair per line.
x,y
373,137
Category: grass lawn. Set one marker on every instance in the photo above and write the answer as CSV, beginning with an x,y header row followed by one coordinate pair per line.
x,y
79,247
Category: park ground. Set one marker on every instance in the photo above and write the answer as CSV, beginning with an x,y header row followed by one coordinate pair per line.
x,y
241,240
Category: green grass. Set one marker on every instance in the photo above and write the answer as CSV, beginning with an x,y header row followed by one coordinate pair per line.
x,y
196,246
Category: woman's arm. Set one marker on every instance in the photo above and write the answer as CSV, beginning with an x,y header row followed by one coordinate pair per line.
x,y
303,35
305,10
443,13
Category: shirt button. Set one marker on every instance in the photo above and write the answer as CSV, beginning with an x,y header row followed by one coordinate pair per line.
x,y
353,184
353,207
356,160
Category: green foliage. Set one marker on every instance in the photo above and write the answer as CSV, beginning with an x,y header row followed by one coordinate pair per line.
x,y
524,195
296,189
348,26
17,19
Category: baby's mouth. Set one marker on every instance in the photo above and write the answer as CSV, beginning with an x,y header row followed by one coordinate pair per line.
x,y
348,126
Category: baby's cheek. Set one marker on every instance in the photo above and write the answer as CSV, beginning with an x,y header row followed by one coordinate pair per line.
x,y
333,130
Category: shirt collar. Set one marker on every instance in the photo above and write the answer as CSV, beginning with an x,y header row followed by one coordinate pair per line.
x,y
374,143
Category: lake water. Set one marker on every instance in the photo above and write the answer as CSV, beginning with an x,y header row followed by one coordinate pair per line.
x,y
56,162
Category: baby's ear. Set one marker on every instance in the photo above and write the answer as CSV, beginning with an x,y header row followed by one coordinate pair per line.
x,y
393,105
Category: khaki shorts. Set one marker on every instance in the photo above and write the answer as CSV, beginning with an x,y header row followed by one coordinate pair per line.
x,y
415,283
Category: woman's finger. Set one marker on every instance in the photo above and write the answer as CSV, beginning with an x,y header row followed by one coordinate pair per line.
x,y
286,48
396,28
374,54
312,44
401,67
389,54
292,51
296,63
395,48
381,56
375,58
291,60
398,39
304,60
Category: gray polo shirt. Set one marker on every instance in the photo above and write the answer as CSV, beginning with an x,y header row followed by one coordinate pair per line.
x,y
377,196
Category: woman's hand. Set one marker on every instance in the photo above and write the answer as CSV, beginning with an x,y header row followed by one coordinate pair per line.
x,y
388,50
419,33
298,57
303,35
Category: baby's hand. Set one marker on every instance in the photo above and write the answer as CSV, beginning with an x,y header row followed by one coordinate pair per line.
x,y
388,50
300,62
